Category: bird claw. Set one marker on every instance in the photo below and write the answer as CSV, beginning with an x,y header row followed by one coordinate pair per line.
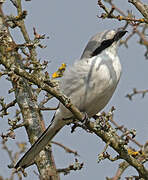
x,y
85,119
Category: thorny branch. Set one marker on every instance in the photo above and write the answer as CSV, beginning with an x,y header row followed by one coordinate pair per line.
x,y
108,134
135,23
135,92
91,126
109,14
107,137
5,107
143,8
14,158
68,150
142,156
76,166
129,20
123,130
25,94
101,127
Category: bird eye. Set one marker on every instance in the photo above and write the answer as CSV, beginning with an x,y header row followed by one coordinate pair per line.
x,y
105,44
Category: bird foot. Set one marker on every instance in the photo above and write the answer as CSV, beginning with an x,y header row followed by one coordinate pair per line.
x,y
83,123
85,119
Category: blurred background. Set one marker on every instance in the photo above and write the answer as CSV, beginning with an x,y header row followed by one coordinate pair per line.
x,y
69,25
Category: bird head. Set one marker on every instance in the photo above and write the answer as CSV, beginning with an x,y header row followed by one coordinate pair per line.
x,y
107,40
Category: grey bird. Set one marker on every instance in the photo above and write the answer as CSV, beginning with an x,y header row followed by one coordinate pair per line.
x,y
90,83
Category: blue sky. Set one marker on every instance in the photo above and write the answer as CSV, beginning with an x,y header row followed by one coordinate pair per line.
x,y
69,25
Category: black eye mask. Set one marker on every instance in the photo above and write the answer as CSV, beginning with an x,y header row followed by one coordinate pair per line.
x,y
106,43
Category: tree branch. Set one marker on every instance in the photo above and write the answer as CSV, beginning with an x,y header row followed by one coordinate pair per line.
x,y
143,9
26,100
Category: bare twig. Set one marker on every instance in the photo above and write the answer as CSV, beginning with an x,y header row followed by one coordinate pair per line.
x,y
48,108
135,92
143,9
76,166
122,129
5,107
109,14
115,142
68,150
122,167
7,150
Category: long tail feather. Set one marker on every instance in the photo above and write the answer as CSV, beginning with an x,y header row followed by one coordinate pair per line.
x,y
41,142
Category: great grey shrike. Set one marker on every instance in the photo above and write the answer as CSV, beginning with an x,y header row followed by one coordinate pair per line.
x,y
90,83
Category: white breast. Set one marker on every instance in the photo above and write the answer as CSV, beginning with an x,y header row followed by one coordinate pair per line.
x,y
102,84
90,83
